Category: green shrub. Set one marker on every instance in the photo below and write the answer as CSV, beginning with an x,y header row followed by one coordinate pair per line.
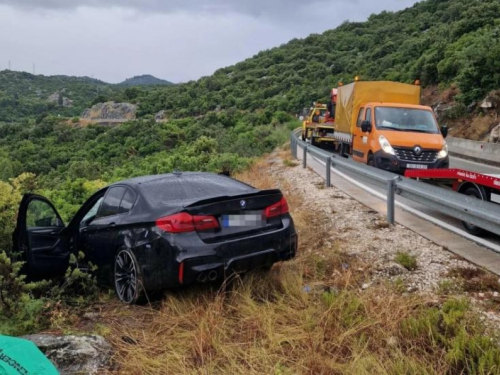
x,y
408,261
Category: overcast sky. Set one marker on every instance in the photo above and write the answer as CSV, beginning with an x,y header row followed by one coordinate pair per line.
x,y
177,40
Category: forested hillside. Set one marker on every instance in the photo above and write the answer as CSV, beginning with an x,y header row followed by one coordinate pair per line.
x,y
145,80
222,121
26,95
439,42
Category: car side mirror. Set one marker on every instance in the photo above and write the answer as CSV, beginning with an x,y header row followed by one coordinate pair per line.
x,y
444,131
366,127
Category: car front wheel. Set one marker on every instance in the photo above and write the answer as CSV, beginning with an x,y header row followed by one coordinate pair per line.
x,y
129,284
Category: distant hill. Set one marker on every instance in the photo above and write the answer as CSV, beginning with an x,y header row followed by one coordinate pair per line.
x,y
26,95
145,80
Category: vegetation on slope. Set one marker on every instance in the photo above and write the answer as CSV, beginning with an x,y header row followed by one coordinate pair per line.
x,y
439,42
145,80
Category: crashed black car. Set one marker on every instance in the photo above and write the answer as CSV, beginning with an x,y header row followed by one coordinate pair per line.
x,y
151,233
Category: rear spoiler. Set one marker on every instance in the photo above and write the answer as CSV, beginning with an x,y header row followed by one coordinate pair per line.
x,y
239,196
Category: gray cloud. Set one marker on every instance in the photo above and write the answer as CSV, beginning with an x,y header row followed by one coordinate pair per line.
x,y
175,40
249,7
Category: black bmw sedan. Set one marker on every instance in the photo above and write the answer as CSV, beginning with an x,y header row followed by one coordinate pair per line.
x,y
156,232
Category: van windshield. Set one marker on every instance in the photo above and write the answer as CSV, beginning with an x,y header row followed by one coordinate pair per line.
x,y
405,119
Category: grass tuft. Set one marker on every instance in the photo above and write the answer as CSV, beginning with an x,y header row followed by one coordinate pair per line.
x,y
408,261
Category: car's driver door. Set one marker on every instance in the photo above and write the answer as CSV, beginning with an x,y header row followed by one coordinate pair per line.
x,y
40,238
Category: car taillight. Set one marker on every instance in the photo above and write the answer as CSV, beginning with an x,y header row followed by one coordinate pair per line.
x,y
184,222
277,209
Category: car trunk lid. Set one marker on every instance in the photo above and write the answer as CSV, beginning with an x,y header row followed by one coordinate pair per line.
x,y
241,215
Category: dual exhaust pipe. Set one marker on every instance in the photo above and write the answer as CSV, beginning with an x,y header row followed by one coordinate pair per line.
x,y
207,276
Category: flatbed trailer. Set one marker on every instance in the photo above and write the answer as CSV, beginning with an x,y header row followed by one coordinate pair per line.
x,y
482,186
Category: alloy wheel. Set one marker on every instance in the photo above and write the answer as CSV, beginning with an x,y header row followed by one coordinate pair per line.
x,y
126,277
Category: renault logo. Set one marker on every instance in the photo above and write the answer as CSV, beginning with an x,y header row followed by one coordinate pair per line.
x,y
417,150
243,204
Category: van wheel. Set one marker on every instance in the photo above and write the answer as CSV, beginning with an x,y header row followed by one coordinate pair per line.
x,y
371,161
128,280
472,229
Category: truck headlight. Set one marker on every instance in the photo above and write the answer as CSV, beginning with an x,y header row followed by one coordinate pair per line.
x,y
444,152
385,145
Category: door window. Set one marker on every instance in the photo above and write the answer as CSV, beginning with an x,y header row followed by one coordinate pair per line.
x,y
368,116
128,201
92,212
360,118
41,215
111,203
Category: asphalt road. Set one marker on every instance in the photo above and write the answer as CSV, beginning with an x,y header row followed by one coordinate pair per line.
x,y
489,240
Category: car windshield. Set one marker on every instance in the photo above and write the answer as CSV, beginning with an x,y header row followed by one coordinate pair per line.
x,y
405,119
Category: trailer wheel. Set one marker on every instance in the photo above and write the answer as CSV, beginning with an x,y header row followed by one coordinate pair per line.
x,y
472,229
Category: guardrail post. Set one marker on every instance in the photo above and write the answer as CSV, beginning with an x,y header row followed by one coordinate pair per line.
x,y
391,201
304,157
294,147
328,172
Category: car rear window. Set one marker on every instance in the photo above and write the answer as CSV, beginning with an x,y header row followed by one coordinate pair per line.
x,y
191,188
111,202
128,201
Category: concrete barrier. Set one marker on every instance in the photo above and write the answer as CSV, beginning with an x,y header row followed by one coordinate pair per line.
x,y
488,153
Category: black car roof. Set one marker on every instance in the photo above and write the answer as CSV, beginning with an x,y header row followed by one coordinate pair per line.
x,y
176,176
184,188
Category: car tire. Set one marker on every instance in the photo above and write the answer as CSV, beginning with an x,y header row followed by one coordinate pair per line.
x,y
472,229
127,277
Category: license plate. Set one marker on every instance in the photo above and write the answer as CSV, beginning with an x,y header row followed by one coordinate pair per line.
x,y
248,219
417,166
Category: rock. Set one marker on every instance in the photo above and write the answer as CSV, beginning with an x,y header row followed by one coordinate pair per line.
x,y
365,286
91,315
394,269
60,100
487,103
495,135
75,354
161,116
111,112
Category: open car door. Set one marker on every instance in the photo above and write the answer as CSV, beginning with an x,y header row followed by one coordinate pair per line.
x,y
40,238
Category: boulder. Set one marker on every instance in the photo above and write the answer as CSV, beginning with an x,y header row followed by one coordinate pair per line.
x,y
161,116
75,354
111,112
495,135
487,103
60,100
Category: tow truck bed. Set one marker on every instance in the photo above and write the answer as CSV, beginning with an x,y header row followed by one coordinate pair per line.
x,y
457,176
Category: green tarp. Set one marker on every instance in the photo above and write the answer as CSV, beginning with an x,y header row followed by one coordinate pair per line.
x,y
19,356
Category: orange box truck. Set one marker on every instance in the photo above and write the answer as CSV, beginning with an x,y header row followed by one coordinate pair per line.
x,y
383,125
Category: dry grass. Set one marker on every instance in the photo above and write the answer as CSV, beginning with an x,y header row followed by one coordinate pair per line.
x,y
307,316
476,279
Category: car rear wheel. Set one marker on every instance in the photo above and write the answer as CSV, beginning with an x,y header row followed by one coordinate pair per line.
x,y
472,229
128,278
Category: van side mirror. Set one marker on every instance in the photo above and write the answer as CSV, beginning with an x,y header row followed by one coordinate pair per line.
x,y
444,131
366,127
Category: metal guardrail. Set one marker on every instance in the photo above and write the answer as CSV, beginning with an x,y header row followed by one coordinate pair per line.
x,y
468,209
